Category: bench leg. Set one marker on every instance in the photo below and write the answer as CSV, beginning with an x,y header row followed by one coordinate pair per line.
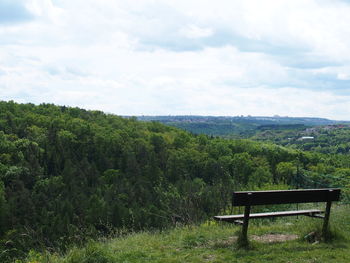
x,y
326,219
245,223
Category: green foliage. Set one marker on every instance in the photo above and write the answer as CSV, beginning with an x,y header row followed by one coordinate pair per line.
x,y
213,242
285,171
67,175
91,253
3,208
333,139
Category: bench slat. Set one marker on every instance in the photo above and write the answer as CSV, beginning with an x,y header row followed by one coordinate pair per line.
x,y
232,218
285,196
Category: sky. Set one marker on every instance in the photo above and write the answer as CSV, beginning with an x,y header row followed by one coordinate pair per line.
x,y
179,57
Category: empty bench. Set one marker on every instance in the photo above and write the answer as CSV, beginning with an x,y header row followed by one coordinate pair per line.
x,y
251,198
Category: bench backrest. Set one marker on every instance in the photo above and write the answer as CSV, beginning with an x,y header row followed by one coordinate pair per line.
x,y
285,196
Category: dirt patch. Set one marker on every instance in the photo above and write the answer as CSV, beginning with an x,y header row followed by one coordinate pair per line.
x,y
272,238
268,238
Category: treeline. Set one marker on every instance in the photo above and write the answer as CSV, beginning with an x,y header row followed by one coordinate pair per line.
x,y
68,173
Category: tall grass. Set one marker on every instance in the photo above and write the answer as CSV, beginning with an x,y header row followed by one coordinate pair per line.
x,y
217,242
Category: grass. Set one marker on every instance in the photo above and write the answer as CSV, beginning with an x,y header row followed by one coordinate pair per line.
x,y
213,242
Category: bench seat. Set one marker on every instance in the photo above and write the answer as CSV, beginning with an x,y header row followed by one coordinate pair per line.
x,y
236,218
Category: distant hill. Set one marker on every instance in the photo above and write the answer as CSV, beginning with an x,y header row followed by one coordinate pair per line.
x,y
237,126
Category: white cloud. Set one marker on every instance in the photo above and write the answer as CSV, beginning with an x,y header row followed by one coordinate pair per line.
x,y
181,57
193,31
343,76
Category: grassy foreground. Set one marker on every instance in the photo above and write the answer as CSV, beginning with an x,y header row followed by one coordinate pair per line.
x,y
213,242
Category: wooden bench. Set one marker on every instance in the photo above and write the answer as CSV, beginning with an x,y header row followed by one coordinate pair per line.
x,y
250,198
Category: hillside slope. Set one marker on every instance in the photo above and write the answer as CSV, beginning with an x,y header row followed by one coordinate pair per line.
x,y
68,174
211,242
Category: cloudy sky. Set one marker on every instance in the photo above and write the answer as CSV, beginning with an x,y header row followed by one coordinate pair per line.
x,y
160,57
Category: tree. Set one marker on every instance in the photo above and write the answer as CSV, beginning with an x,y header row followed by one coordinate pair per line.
x,y
285,171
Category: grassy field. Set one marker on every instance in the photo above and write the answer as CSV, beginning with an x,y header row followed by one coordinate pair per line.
x,y
214,242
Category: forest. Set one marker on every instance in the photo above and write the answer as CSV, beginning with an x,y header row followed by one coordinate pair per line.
x,y
328,139
69,174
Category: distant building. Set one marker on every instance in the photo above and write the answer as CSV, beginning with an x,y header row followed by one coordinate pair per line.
x,y
306,138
